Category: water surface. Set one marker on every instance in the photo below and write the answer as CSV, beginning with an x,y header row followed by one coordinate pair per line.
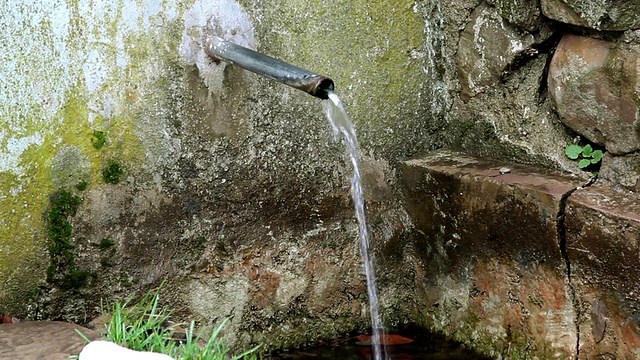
x,y
425,346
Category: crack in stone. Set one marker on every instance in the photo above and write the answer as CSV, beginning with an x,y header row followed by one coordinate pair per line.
x,y
562,235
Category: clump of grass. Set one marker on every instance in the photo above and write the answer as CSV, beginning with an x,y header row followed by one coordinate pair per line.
x,y
142,327
213,350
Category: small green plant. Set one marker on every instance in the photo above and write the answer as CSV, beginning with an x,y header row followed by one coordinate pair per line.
x,y
112,173
142,327
100,138
586,155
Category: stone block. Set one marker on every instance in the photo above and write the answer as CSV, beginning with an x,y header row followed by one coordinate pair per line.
x,y
492,273
488,45
603,247
599,15
594,85
621,171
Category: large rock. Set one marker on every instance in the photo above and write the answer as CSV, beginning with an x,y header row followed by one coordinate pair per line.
x,y
594,84
599,15
488,45
621,171
602,233
488,258
524,14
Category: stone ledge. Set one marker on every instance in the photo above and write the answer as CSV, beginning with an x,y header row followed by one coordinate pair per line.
x,y
603,247
491,269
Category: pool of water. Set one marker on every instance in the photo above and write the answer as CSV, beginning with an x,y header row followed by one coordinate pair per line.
x,y
424,346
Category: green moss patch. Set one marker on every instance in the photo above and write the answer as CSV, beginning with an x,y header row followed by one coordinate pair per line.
x,y
82,185
100,138
113,172
62,270
106,243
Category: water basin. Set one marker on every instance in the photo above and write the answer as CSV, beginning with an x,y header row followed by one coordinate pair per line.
x,y
424,346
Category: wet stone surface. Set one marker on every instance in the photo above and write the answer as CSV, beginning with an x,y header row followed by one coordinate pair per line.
x,y
600,15
488,45
593,85
489,261
603,234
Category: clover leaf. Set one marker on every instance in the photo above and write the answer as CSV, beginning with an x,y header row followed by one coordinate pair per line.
x,y
573,151
597,156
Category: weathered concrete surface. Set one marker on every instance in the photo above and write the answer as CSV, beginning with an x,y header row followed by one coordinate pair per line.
x,y
594,84
488,254
599,15
603,234
31,340
235,191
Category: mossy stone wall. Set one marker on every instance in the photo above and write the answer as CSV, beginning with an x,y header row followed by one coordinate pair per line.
x,y
186,183
236,191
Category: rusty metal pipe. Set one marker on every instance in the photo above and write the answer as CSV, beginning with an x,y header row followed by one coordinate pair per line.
x,y
278,70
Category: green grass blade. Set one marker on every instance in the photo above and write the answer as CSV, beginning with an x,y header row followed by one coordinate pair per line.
x,y
140,327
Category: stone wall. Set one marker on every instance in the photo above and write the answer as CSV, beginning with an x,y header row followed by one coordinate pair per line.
x,y
488,253
549,73
521,262
537,76
127,158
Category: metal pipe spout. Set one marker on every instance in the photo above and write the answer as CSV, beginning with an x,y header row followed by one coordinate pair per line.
x,y
278,70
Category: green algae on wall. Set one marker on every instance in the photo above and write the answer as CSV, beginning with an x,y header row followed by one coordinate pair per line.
x,y
51,107
62,269
78,132
376,53
20,240
65,158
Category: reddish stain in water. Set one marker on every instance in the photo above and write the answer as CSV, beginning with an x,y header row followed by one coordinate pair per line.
x,y
387,339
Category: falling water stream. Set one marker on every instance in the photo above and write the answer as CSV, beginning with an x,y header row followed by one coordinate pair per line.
x,y
341,124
